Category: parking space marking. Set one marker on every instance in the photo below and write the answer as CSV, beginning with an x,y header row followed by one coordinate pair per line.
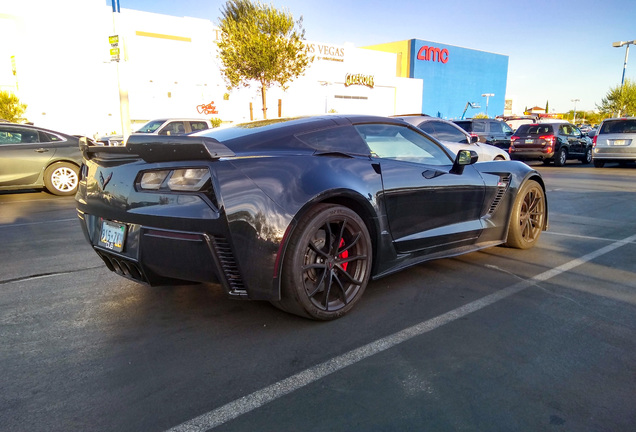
x,y
246,404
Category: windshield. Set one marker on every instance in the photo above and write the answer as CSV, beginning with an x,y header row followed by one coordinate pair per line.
x,y
151,126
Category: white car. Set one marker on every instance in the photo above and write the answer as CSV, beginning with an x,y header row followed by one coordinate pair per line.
x,y
454,137
165,126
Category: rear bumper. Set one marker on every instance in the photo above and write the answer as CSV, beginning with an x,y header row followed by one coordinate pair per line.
x,y
534,154
159,256
614,153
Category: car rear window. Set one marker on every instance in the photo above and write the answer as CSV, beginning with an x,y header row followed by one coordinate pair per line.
x,y
534,129
618,126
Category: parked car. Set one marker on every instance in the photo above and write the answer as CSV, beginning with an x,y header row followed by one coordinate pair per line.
x,y
33,157
301,212
550,142
489,131
615,141
171,126
515,121
454,137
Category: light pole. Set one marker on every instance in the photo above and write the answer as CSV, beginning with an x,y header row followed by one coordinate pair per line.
x,y
620,44
575,101
487,96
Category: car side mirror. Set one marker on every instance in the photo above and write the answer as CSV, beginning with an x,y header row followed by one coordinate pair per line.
x,y
463,158
474,139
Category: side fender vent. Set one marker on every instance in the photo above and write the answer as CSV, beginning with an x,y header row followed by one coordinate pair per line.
x,y
232,275
502,188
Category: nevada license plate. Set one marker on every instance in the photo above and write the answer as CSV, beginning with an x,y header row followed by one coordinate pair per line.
x,y
619,142
112,236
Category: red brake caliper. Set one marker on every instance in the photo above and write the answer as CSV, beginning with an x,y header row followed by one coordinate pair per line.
x,y
343,255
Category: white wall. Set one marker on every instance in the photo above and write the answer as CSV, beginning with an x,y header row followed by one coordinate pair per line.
x,y
169,67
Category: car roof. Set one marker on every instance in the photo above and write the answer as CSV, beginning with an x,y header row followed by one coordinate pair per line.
x,y
279,133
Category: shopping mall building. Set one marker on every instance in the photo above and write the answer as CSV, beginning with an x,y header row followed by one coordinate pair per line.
x,y
62,61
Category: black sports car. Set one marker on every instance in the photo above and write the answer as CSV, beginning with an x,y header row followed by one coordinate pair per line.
x,y
299,212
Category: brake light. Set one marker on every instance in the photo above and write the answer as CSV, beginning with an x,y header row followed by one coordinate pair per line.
x,y
594,139
549,139
514,138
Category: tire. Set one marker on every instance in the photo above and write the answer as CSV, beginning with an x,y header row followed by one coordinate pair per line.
x,y
561,157
499,158
588,157
327,264
61,178
599,163
528,216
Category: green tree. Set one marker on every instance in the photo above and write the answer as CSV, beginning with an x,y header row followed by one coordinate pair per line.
x,y
10,107
620,100
260,45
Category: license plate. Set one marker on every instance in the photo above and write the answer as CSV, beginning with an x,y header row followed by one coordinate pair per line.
x,y
619,142
112,236
529,141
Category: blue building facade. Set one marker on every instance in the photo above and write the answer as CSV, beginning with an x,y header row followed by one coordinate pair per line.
x,y
453,76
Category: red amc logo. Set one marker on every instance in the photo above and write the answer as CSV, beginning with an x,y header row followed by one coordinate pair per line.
x,y
432,54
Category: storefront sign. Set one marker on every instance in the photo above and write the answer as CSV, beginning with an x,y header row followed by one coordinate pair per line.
x,y
114,47
433,54
326,52
359,79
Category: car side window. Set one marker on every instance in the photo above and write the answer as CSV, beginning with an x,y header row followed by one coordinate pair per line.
x,y
479,127
496,127
198,126
173,128
16,135
401,143
447,132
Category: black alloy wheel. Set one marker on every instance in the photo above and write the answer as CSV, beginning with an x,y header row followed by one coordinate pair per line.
x,y
327,264
528,216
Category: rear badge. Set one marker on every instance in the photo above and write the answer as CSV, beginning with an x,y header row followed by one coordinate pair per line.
x,y
104,182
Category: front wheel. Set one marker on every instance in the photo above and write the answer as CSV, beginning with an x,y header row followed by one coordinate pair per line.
x,y
61,178
528,216
327,264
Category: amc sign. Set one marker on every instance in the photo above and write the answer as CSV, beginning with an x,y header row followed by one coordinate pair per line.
x,y
433,54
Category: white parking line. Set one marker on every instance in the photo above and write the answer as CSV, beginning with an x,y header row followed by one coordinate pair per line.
x,y
261,397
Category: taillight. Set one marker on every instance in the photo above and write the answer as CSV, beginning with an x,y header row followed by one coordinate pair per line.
x,y
549,139
594,139
181,180
514,138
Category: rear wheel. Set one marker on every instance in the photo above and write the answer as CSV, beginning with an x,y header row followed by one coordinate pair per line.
x,y
327,264
528,216
61,178
599,163
588,156
561,157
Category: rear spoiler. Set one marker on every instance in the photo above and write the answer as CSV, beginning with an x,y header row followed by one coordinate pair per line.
x,y
163,148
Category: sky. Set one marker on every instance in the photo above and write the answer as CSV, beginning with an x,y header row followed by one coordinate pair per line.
x,y
558,50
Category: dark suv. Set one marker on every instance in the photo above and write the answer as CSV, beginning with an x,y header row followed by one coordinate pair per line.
x,y
550,142
489,131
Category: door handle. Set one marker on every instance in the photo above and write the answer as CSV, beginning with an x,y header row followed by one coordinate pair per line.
x,y
42,150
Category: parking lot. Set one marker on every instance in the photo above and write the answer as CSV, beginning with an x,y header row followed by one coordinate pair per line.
x,y
498,340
